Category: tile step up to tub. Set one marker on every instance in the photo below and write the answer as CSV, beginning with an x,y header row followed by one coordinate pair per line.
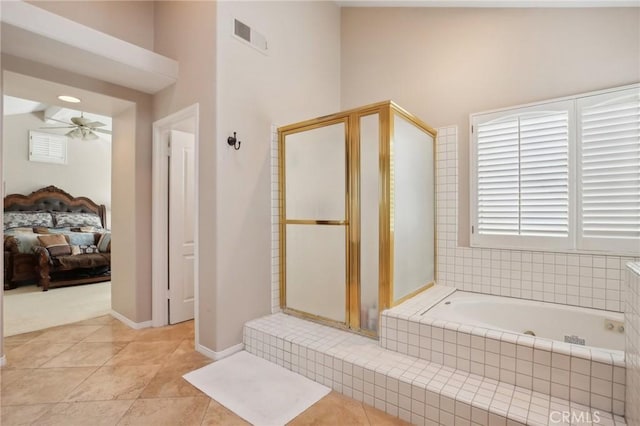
x,y
579,374
416,390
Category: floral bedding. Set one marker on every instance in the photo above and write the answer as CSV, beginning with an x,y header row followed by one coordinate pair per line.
x,y
21,229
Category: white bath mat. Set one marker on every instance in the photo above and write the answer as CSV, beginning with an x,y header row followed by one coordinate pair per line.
x,y
257,390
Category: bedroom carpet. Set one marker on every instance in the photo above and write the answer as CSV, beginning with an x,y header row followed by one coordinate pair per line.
x,y
259,391
28,308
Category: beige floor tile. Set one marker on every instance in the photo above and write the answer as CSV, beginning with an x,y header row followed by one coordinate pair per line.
x,y
43,385
85,354
23,338
107,383
115,332
34,354
166,411
144,353
9,375
181,331
333,409
380,418
168,382
17,415
93,413
103,320
218,414
186,354
67,333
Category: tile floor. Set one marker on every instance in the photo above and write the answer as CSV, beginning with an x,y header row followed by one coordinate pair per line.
x,y
100,372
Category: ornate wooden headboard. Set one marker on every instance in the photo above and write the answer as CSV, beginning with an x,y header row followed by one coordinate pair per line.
x,y
54,199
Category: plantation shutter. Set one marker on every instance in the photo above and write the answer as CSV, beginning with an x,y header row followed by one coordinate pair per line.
x,y
47,148
498,177
609,171
521,177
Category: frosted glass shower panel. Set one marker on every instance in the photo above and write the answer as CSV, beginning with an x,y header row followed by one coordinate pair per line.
x,y
315,163
316,270
413,212
369,220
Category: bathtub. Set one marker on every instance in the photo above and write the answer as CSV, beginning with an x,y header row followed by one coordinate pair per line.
x,y
515,341
593,328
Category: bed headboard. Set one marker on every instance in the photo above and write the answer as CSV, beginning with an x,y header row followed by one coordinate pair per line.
x,y
53,199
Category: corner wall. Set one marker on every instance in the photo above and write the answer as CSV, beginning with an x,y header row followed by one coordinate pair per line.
x,y
186,32
298,79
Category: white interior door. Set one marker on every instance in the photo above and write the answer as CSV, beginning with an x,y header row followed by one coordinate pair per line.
x,y
181,226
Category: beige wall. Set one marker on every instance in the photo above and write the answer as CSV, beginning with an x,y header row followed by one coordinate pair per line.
x,y
87,172
131,21
298,78
186,32
443,64
131,187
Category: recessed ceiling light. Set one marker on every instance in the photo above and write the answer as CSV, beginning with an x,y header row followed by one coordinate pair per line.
x,y
71,99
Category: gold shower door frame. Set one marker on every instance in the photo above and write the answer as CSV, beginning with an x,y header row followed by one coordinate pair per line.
x,y
351,120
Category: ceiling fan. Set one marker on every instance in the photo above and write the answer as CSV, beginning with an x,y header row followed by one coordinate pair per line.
x,y
82,128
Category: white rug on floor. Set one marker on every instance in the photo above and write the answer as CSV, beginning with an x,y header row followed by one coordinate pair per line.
x,y
28,308
257,390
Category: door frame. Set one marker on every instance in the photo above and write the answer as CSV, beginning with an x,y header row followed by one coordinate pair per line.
x,y
160,216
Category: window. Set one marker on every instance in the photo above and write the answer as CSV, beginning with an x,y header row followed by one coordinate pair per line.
x,y
561,175
47,147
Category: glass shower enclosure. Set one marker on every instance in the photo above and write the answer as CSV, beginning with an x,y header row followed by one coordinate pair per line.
x,y
357,214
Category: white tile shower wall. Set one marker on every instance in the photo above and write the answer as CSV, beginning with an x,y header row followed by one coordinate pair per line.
x,y
632,351
275,220
572,279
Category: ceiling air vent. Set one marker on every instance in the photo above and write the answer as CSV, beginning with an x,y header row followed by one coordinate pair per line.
x,y
245,33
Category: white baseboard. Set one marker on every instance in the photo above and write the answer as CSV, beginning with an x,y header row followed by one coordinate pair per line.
x,y
3,360
127,321
217,356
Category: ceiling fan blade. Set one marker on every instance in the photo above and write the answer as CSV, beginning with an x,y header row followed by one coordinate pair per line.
x,y
59,127
106,132
55,119
95,124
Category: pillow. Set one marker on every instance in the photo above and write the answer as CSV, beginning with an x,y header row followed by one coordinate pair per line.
x,y
27,219
80,238
41,230
104,244
67,219
57,245
23,230
84,249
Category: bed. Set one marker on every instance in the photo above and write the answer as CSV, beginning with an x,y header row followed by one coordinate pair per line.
x,y
55,239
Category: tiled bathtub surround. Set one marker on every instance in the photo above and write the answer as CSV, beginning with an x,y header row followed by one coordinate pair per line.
x,y
416,390
579,374
581,280
632,331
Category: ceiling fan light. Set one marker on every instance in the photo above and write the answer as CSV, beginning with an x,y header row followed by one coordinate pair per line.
x,y
75,133
70,99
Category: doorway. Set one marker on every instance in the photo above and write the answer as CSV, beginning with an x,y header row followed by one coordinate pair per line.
x,y
174,219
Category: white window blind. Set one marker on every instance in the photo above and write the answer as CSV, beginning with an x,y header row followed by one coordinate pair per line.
x,y
559,175
609,170
47,147
522,176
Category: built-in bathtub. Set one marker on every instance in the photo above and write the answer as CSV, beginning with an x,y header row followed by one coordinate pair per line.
x,y
598,329
485,335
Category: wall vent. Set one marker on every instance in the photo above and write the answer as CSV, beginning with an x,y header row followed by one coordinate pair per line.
x,y
247,34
